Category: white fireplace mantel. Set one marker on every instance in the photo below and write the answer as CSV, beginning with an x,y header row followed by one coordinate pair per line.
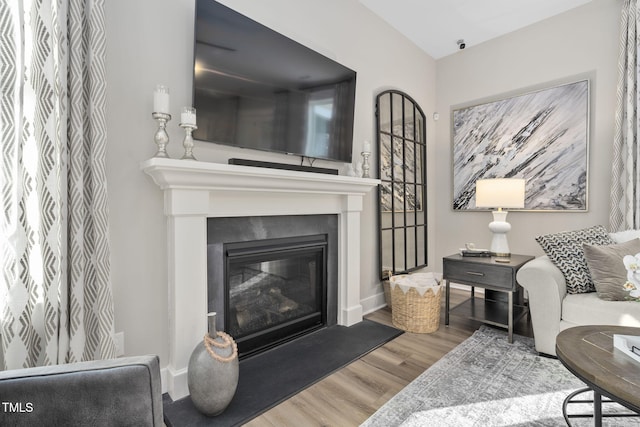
x,y
195,191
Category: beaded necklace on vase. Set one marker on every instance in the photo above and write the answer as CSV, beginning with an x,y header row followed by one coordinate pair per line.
x,y
228,342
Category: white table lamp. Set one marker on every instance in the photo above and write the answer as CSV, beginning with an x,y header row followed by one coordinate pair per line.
x,y
500,193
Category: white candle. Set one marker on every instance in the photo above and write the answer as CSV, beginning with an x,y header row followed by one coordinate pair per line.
x,y
367,147
188,116
161,100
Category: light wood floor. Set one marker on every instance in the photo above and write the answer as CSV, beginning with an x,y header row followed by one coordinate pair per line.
x,y
349,396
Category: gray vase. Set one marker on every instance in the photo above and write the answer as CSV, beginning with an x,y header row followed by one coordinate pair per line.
x,y
213,380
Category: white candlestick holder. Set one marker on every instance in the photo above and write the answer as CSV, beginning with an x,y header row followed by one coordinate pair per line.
x,y
365,164
188,140
161,138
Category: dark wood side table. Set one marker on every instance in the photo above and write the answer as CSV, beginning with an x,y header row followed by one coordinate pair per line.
x,y
588,352
487,273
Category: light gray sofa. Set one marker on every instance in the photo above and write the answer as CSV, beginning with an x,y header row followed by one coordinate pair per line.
x,y
116,392
553,309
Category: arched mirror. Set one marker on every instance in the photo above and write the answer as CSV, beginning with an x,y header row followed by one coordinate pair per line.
x,y
401,141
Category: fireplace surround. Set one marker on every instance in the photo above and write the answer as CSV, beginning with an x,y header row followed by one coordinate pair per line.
x,y
272,278
195,191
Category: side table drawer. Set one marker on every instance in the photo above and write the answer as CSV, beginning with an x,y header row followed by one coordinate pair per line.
x,y
479,274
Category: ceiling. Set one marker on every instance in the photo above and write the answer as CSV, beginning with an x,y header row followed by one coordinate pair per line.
x,y
436,25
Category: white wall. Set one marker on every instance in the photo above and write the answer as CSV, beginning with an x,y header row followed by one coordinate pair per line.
x,y
151,42
583,40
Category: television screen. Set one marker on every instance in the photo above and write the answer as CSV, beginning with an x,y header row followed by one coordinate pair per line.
x,y
255,88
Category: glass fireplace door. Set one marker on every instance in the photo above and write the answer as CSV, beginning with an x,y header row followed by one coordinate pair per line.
x,y
276,290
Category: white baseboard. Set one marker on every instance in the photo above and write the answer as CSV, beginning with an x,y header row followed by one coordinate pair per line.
x,y
377,301
466,288
163,379
373,303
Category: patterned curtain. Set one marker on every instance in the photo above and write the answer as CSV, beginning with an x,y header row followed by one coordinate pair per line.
x,y
56,303
625,189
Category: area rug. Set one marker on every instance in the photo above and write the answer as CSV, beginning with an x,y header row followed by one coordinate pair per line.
x,y
275,375
485,381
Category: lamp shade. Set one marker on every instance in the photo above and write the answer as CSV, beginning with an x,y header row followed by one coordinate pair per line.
x,y
500,193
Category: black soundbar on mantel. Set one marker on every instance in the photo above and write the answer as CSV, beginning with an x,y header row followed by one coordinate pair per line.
x,y
300,168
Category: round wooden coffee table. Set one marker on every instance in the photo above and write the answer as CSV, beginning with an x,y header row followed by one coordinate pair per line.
x,y
588,352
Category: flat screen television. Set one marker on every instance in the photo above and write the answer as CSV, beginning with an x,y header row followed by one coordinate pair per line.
x,y
255,88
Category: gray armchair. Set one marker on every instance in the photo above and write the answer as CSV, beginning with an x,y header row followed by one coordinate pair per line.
x,y
116,392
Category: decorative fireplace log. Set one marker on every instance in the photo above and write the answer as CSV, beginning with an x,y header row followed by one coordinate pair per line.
x,y
257,299
256,279
283,303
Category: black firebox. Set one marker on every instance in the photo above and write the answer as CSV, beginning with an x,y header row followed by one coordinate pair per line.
x,y
275,290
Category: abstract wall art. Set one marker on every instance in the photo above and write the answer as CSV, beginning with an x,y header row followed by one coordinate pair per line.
x,y
541,136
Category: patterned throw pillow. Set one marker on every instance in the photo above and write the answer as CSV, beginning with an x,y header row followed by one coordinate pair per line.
x,y
565,251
